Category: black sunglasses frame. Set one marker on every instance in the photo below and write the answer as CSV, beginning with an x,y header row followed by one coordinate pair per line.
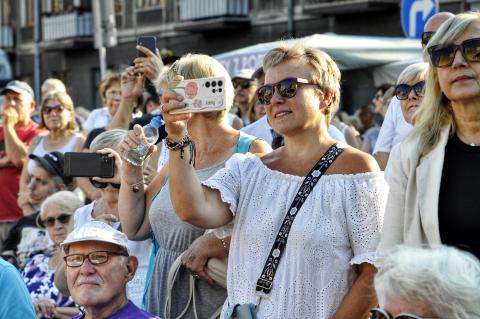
x,y
50,221
419,92
98,184
87,256
289,90
426,36
49,109
375,312
244,84
437,51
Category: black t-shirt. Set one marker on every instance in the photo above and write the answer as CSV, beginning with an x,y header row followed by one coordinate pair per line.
x,y
459,199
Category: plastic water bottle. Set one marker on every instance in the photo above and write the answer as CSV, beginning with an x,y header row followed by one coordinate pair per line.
x,y
137,155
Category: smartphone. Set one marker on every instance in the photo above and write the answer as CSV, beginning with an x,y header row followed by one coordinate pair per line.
x,y
149,42
80,164
200,95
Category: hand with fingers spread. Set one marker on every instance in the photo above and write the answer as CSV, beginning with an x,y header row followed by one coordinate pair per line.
x,y
151,65
131,83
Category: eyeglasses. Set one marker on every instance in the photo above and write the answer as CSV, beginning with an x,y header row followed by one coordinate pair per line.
x,y
98,184
443,56
377,313
426,36
286,88
95,258
113,94
57,108
50,221
244,84
402,91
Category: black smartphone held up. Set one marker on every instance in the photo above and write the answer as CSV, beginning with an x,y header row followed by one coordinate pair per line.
x,y
149,42
79,164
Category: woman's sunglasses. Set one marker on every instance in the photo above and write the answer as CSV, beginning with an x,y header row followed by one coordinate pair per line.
x,y
244,84
286,88
402,91
50,221
443,56
98,184
378,313
57,108
426,36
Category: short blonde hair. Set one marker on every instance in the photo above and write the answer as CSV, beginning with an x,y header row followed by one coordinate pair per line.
x,y
108,139
325,71
66,201
416,71
435,113
66,102
109,79
196,66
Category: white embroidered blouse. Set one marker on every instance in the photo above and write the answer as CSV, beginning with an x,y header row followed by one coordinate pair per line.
x,y
337,227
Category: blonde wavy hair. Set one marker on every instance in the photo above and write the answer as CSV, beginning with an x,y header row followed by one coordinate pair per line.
x,y
196,66
436,113
325,71
66,101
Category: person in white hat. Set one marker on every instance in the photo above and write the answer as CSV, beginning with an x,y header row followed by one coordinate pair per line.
x,y
98,267
245,88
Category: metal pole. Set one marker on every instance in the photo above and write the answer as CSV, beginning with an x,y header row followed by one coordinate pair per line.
x,y
37,61
102,51
291,18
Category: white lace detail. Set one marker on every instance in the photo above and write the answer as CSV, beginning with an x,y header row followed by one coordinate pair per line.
x,y
338,226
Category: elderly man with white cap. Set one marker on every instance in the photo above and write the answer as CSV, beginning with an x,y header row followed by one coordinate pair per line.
x,y
98,267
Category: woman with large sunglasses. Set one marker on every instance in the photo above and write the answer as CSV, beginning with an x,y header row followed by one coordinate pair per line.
x,y
435,174
57,115
427,283
326,267
39,272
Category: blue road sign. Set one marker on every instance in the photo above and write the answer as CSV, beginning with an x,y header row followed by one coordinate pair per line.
x,y
415,13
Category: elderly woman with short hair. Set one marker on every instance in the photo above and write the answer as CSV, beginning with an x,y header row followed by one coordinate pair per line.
x,y
39,272
435,175
417,283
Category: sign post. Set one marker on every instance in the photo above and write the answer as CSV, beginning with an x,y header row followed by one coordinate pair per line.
x,y
415,14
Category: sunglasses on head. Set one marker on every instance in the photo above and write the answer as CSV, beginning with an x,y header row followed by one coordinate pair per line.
x,y
57,108
426,36
50,221
286,88
98,184
244,84
402,91
443,56
378,313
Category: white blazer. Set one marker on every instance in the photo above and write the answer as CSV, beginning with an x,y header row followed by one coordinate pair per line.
x,y
411,215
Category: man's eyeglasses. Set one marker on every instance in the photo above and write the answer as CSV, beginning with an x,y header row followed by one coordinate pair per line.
x,y
95,258
98,184
377,313
443,56
426,36
286,88
402,91
57,108
50,221
244,84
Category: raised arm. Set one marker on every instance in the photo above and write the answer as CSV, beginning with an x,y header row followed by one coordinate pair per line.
x,y
15,149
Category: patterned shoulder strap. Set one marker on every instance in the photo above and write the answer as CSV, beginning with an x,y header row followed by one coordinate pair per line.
x,y
264,283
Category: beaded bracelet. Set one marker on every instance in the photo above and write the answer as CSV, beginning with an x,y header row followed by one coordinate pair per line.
x,y
224,244
184,142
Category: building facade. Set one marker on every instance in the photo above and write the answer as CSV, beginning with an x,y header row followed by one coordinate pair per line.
x,y
66,40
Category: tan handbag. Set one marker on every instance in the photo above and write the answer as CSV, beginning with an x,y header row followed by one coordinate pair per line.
x,y
217,270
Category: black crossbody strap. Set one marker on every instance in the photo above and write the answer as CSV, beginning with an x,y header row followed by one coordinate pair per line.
x,y
264,283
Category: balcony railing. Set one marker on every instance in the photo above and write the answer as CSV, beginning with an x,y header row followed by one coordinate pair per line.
x,y
69,25
6,36
207,9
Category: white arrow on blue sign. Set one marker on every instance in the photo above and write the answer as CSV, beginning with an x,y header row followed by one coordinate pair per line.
x,y
415,13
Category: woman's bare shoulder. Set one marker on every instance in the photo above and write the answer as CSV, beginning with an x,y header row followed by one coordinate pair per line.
x,y
354,161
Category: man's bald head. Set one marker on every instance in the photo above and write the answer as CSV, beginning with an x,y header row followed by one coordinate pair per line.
x,y
436,21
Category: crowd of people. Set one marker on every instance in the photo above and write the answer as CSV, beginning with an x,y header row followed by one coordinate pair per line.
x,y
280,205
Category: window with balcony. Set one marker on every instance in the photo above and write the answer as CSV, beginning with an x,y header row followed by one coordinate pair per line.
x,y
27,12
150,4
5,13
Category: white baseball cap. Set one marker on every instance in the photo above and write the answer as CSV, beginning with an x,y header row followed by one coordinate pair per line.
x,y
243,74
96,231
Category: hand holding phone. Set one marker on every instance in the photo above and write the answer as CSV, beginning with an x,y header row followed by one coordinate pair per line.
x,y
200,95
149,42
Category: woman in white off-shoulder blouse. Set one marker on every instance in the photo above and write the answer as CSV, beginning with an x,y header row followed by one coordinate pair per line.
x,y
326,270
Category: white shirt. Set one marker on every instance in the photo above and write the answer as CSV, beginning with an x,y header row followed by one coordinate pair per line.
x,y
394,128
140,249
262,129
97,118
337,227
